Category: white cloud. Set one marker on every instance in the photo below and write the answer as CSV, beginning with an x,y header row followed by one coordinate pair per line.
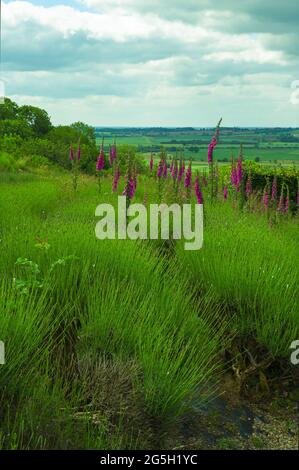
x,y
136,58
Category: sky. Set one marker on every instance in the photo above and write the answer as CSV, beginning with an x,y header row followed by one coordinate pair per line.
x,y
154,62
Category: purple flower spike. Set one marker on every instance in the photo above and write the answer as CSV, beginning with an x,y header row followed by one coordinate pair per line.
x,y
160,169
198,192
71,154
101,161
188,177
225,193
151,164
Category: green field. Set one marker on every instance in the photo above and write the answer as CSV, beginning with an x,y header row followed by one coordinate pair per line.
x,y
257,144
110,344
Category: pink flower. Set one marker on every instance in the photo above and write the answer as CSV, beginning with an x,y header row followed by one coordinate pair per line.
x,y
151,164
116,180
113,154
266,199
79,153
181,171
225,193
160,169
165,169
71,154
188,177
101,161
131,188
211,150
174,171
197,190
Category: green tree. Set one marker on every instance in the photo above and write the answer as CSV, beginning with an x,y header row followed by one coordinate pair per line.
x,y
15,127
84,130
38,119
8,109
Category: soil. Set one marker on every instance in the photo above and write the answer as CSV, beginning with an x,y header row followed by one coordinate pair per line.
x,y
230,422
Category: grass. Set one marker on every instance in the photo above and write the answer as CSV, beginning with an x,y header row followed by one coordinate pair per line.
x,y
72,302
104,338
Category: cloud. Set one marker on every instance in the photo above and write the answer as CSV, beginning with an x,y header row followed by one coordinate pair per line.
x,y
166,55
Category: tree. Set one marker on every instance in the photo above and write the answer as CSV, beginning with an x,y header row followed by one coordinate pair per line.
x,y
38,119
85,130
8,110
15,127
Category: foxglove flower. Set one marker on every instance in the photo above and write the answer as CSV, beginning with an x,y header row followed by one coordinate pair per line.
x,y
197,190
225,193
116,180
151,164
79,153
266,199
71,154
174,172
113,154
101,161
165,169
130,189
188,177
160,169
211,147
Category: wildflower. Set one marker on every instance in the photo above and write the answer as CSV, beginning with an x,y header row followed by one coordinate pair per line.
x,y
130,189
116,180
113,154
225,193
181,171
198,192
101,160
211,147
151,163
266,199
287,204
174,172
160,169
79,153
188,177
165,169
71,154
213,143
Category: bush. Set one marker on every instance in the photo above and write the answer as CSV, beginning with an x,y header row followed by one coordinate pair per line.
x,y
7,163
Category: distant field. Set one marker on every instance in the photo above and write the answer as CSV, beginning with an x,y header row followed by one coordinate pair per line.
x,y
263,145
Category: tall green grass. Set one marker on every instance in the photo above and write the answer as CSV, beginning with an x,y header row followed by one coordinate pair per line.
x,y
251,269
89,308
